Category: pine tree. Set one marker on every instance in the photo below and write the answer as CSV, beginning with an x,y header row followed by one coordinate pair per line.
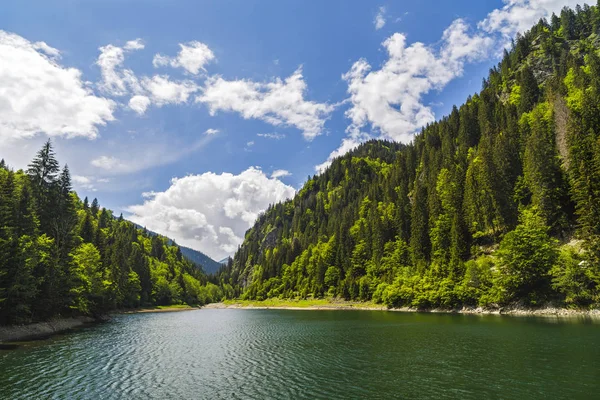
x,y
43,172
94,207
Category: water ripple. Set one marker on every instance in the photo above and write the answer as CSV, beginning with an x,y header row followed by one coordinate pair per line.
x,y
274,354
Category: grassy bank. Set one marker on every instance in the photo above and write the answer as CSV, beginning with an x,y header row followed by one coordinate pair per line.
x,y
170,308
335,304
299,304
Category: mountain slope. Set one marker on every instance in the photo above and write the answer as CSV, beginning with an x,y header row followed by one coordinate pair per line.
x,y
208,265
471,212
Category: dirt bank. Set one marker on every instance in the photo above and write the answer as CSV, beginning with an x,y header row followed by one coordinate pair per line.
x,y
42,329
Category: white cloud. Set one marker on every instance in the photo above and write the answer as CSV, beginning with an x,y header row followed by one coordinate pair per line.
x,y
521,15
137,44
211,131
81,180
276,136
116,80
280,173
390,99
38,95
88,182
163,91
210,212
157,90
379,20
50,51
250,143
139,104
108,163
277,103
192,57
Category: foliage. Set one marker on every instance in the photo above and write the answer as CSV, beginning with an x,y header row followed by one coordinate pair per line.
x,y
513,169
525,258
60,256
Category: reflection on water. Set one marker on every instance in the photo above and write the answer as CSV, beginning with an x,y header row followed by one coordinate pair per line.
x,y
258,354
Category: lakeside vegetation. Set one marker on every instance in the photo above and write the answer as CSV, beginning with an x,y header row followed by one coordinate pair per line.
x,y
496,204
299,303
61,256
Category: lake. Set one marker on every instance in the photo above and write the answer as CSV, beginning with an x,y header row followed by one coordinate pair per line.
x,y
285,354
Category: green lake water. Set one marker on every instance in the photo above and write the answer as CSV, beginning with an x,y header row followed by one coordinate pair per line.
x,y
284,354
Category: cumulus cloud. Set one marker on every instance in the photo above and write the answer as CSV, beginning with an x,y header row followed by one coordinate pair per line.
x,y
137,44
192,57
163,91
276,136
210,212
280,173
38,95
279,103
379,20
521,15
211,131
139,104
117,80
156,90
390,99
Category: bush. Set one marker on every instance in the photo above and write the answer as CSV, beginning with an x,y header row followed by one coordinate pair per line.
x,y
575,278
525,257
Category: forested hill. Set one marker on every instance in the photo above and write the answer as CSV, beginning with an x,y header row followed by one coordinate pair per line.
x,y
201,260
208,265
497,203
60,256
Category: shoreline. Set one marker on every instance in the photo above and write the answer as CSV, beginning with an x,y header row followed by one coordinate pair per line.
x,y
333,306
42,330
153,310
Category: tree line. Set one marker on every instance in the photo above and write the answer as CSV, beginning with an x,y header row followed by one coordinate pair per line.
x,y
497,203
61,256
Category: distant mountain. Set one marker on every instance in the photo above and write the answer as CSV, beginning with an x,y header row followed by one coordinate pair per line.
x,y
209,265
224,261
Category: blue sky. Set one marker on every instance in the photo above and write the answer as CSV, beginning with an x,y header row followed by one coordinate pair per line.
x,y
239,90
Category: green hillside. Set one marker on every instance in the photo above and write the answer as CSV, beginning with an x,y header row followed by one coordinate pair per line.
x,y
60,256
496,204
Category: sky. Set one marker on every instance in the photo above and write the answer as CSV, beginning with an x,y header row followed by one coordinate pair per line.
x,y
191,117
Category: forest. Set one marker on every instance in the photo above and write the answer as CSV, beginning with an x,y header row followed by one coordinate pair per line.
x,y
61,256
497,204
